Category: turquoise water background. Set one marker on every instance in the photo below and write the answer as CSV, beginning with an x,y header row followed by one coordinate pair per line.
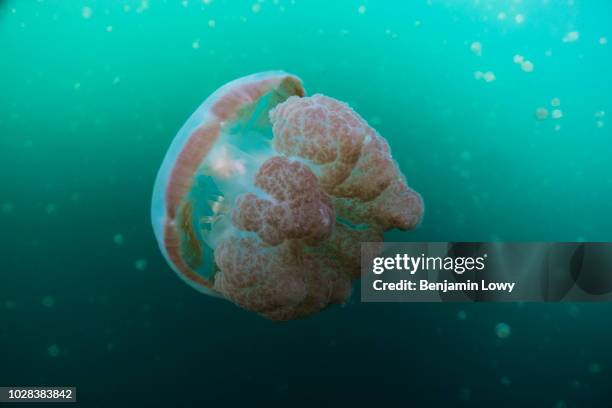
x,y
92,93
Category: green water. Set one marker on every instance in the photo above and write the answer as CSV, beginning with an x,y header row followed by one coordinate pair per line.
x,y
92,93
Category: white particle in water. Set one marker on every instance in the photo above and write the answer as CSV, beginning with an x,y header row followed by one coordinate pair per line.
x,y
256,8
118,239
572,36
603,41
502,330
140,264
51,208
594,368
557,114
212,23
86,13
48,301
527,66
519,19
489,76
476,48
501,16
541,113
7,208
53,350
361,9
518,59
555,102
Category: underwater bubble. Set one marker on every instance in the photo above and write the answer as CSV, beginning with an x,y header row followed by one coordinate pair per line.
x,y
476,48
572,36
86,13
541,113
555,102
53,350
489,76
527,66
519,19
361,9
557,114
518,59
594,368
48,301
501,16
502,330
118,239
461,315
10,305
140,264
603,41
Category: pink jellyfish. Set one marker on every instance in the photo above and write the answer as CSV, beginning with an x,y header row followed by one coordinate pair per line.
x,y
265,195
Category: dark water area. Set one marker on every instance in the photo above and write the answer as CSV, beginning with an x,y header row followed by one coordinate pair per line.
x,y
92,93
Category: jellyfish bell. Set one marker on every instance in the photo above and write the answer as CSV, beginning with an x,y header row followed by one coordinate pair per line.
x,y
186,200
265,195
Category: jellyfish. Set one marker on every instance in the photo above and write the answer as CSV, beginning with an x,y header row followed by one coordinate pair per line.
x,y
265,196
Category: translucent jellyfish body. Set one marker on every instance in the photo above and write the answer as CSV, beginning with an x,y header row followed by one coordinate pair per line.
x,y
265,195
